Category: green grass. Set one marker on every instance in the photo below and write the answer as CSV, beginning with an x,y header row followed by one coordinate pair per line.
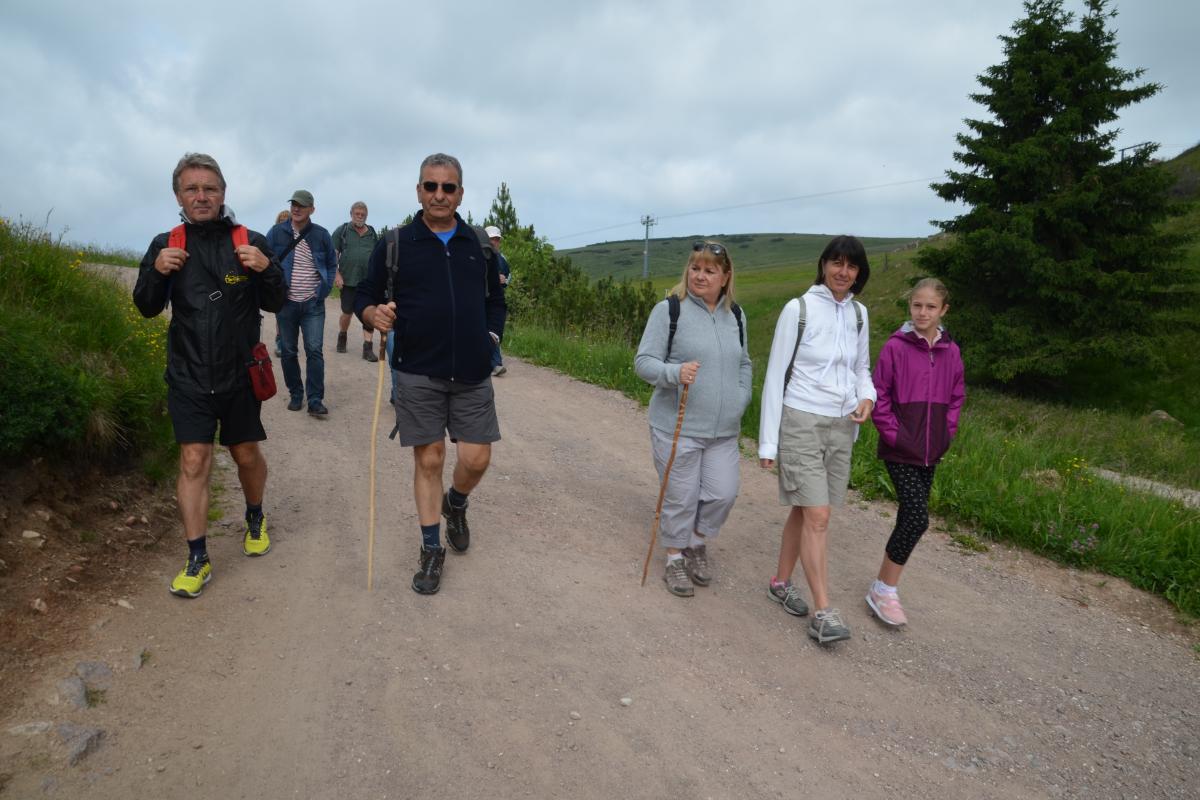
x,y
80,369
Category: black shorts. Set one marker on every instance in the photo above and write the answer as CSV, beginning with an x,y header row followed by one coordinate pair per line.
x,y
348,293
195,416
429,408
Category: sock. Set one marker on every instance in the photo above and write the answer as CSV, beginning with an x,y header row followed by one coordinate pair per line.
x,y
674,557
253,512
697,540
882,588
198,548
777,582
457,499
431,536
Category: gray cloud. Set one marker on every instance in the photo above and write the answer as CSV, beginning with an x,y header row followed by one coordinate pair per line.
x,y
592,115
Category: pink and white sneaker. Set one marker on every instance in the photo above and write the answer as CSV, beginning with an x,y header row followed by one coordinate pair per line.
x,y
886,607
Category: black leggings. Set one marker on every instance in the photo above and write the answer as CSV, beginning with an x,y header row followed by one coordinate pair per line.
x,y
913,483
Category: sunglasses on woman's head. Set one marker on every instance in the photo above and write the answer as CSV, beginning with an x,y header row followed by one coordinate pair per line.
x,y
715,249
432,186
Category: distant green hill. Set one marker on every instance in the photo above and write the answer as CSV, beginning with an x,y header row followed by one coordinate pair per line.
x,y
749,251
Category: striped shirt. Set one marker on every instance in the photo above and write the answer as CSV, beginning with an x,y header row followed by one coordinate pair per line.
x,y
305,279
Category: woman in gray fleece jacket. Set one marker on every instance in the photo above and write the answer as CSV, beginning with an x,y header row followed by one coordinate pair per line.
x,y
709,354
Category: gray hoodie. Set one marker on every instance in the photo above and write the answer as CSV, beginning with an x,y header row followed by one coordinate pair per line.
x,y
721,392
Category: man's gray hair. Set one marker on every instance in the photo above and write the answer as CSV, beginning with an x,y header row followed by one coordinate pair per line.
x,y
358,204
441,160
196,161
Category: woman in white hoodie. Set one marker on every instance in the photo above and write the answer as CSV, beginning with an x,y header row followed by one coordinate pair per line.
x,y
817,392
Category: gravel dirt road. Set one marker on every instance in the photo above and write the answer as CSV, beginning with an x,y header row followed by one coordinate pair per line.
x,y
543,670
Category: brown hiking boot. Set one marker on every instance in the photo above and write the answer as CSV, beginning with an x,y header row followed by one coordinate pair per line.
x,y
341,345
677,580
695,561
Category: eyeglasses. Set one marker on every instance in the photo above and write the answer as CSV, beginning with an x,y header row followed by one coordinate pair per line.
x,y
715,249
432,186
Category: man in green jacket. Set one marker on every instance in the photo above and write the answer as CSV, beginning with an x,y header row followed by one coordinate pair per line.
x,y
353,241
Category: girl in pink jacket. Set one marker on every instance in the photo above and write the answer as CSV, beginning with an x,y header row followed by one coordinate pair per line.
x,y
919,381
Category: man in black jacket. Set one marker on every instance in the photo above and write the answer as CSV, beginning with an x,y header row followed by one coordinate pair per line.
x,y
444,299
216,276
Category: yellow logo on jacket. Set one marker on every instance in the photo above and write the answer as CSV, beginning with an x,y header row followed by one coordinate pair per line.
x,y
233,280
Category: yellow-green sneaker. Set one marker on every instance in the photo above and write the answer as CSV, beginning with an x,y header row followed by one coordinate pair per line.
x,y
191,579
256,542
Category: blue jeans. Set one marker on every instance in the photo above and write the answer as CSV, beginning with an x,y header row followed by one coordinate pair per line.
x,y
307,318
496,359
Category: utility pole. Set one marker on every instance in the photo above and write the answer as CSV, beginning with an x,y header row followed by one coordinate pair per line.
x,y
648,221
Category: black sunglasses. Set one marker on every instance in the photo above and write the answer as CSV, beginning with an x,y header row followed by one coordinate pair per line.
x,y
432,186
715,249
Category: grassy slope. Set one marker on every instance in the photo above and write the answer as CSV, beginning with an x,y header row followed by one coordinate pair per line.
x,y
749,252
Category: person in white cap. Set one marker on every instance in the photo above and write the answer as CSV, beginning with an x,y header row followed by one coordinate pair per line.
x,y
495,236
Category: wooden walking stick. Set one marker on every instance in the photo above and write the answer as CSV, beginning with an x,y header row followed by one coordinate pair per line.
x,y
662,491
374,437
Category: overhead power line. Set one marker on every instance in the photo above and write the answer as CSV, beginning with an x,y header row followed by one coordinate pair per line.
x,y
749,205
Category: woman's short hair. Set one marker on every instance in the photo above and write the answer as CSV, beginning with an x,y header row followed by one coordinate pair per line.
x,y
851,249
282,215
707,251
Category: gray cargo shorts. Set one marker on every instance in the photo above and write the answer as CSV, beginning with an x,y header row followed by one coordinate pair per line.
x,y
814,458
429,408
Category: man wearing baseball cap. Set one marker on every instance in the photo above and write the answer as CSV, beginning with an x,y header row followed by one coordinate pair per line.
x,y
305,251
493,233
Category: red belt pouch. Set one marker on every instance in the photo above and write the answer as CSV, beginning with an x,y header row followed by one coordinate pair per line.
x,y
262,377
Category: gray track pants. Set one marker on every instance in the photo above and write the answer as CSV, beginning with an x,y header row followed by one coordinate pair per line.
x,y
704,484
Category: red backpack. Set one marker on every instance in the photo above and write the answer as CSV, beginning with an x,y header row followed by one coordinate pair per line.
x,y
178,236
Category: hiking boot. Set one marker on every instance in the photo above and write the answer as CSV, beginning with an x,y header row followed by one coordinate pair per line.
x,y
295,404
787,595
695,561
428,578
341,345
255,541
677,580
499,370
827,626
318,409
191,579
368,354
458,535
886,607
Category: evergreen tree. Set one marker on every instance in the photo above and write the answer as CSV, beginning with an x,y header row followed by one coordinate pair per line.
x,y
1059,264
502,213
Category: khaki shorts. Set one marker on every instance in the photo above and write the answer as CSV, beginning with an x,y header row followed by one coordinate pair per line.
x,y
814,458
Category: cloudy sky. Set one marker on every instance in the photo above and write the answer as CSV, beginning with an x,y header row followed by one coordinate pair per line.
x,y
594,114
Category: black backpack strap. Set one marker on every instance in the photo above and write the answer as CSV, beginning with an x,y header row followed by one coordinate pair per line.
x,y
392,240
799,335
489,256
737,314
673,312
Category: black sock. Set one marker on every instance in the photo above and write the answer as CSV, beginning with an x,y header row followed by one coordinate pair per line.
x,y
431,536
198,548
253,512
457,499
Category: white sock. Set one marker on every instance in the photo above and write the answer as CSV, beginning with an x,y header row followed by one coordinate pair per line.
x,y
674,557
882,588
697,540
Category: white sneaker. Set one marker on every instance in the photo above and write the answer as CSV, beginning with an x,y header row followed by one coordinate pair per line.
x,y
499,370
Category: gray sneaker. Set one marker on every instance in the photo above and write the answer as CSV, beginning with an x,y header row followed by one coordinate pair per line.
x,y
789,597
677,580
827,626
695,561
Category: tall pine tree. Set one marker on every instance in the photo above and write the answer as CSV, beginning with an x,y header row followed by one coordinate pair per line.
x,y
1059,263
502,214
